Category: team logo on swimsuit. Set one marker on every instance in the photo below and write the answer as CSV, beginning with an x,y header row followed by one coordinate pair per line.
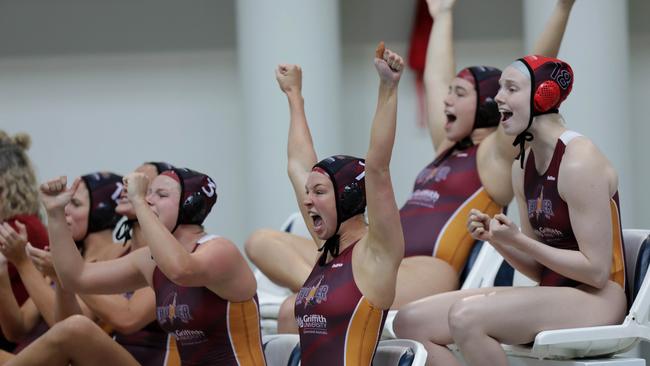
x,y
171,311
437,174
312,324
540,206
549,235
424,198
312,294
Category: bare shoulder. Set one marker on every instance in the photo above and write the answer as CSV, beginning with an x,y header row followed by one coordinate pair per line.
x,y
584,163
219,246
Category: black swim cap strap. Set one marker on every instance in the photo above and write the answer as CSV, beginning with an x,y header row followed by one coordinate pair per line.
x,y
331,246
521,140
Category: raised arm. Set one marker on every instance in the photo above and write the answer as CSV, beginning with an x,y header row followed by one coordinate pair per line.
x,y
301,155
548,43
114,276
385,236
501,152
440,68
217,264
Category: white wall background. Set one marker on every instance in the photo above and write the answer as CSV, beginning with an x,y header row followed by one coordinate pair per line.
x,y
110,85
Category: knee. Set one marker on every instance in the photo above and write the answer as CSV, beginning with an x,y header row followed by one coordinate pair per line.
x,y
286,312
257,243
406,324
286,315
72,329
464,319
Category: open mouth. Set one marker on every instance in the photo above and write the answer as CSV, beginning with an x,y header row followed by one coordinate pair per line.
x,y
505,115
451,118
317,220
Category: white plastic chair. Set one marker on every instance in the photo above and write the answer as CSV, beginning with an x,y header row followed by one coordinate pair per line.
x,y
284,350
551,347
400,352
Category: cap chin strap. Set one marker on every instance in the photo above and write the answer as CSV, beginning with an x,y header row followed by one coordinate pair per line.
x,y
526,136
331,246
521,140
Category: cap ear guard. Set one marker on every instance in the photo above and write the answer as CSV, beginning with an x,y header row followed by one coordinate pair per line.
x,y
194,208
352,198
547,96
551,81
198,196
488,111
104,214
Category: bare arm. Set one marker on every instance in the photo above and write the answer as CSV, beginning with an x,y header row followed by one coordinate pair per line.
x,y
217,264
115,276
479,227
301,156
66,304
39,291
385,236
14,244
15,321
548,43
439,69
125,315
586,191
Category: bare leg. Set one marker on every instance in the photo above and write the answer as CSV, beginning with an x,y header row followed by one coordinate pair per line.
x,y
286,259
76,340
5,356
426,321
480,323
286,317
419,277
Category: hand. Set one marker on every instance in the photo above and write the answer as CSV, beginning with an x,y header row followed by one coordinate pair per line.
x,y
478,225
12,243
289,78
438,6
42,260
55,195
503,230
136,185
389,66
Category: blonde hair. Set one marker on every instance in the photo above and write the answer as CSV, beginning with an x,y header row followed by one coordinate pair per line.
x,y
18,189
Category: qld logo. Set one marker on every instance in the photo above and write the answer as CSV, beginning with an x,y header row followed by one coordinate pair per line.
x,y
313,294
437,174
172,311
540,206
